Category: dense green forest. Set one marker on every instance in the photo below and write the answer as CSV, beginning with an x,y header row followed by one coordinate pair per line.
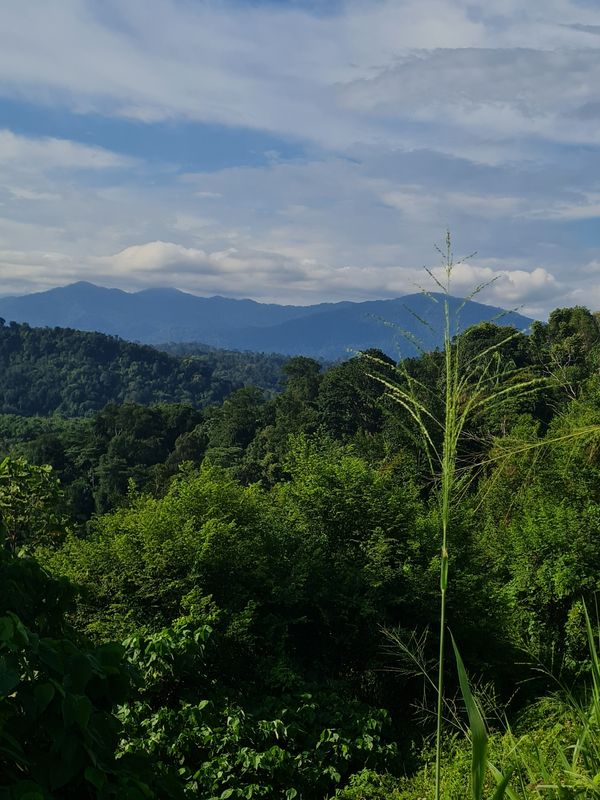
x,y
72,373
242,600
242,367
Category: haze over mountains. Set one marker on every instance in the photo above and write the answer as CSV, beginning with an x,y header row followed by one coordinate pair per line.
x,y
327,330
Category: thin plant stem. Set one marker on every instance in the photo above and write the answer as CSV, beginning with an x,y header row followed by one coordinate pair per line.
x,y
440,681
448,467
472,383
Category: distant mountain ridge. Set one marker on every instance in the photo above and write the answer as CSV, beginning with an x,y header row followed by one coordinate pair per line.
x,y
326,330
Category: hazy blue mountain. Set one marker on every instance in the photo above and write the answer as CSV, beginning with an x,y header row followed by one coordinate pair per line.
x,y
398,327
327,330
149,316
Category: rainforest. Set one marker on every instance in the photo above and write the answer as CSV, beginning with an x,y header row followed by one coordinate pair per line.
x,y
241,598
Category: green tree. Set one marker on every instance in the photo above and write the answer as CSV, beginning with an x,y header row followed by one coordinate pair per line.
x,y
349,398
58,730
30,505
567,346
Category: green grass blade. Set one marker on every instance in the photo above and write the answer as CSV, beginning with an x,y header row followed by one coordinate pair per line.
x,y
592,715
501,789
479,737
594,658
503,785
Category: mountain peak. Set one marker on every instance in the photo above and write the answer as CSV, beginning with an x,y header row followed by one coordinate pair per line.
x,y
326,330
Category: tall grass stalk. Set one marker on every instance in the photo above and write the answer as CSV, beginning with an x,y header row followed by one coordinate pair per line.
x,y
475,384
472,384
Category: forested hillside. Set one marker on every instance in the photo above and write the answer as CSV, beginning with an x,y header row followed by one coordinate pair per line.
x,y
72,373
242,600
245,366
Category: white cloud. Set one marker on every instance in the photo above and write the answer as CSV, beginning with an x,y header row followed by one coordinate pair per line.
x,y
520,285
155,257
192,223
202,271
21,193
586,206
337,79
305,279
424,113
501,285
413,202
488,93
24,271
30,153
289,232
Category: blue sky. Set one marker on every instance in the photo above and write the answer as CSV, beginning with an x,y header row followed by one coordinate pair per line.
x,y
302,151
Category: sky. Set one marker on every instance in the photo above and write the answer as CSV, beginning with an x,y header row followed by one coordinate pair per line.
x,y
300,152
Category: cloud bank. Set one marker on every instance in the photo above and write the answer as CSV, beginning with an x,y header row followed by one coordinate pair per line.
x,y
408,116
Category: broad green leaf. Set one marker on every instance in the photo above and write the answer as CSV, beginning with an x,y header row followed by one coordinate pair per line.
x,y
49,655
7,629
21,635
479,738
80,670
9,678
95,776
76,710
44,693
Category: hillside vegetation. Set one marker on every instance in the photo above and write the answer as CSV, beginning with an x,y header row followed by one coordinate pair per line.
x,y
241,601
72,373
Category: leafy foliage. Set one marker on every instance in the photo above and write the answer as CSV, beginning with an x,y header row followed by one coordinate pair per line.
x,y
297,744
58,736
29,504
58,731
249,553
73,373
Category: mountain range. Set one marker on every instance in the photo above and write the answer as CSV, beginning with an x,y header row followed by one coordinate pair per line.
x,y
327,331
